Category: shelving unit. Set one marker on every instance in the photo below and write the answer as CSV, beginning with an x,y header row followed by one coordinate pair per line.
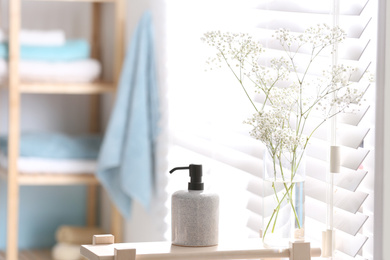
x,y
16,88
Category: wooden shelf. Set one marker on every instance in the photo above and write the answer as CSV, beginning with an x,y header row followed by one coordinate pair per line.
x,y
77,1
57,179
31,254
67,88
244,249
53,179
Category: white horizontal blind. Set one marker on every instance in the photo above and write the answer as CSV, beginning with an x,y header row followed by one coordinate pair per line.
x,y
348,198
207,110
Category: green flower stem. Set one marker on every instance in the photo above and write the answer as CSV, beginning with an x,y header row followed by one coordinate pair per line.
x,y
277,213
273,214
239,80
291,203
276,217
288,191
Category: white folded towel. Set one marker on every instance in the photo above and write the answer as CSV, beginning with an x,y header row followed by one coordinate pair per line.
x,y
38,37
29,165
79,71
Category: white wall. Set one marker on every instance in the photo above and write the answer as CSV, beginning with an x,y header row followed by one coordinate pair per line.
x,y
382,184
386,154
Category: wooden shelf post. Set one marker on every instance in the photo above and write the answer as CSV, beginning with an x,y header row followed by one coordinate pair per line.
x,y
13,131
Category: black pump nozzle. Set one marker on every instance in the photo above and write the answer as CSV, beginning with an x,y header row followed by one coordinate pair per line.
x,y
195,174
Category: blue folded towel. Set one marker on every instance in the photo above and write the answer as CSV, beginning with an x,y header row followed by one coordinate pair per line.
x,y
126,158
71,50
56,146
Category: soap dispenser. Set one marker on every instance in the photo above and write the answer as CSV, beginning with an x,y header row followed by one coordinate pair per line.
x,y
195,212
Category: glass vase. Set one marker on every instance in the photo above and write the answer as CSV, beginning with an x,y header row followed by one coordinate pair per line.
x,y
283,197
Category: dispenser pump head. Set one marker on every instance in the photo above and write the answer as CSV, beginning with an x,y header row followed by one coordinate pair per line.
x,y
195,174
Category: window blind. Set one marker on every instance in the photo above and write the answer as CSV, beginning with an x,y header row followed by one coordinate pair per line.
x,y
207,110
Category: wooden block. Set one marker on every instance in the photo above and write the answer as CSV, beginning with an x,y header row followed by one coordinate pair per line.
x,y
102,239
300,251
124,254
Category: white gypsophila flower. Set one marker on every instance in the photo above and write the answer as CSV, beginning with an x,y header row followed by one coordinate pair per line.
x,y
323,35
339,93
236,47
266,78
291,93
284,98
272,128
319,37
341,75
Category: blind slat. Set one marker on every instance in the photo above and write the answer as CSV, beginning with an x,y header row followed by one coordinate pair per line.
x,y
323,63
343,220
354,26
353,118
348,7
347,179
343,251
350,245
343,199
351,136
219,153
350,49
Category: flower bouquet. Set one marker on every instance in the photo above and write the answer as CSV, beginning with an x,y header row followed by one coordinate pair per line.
x,y
295,88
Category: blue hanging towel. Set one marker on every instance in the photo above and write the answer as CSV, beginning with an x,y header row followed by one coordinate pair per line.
x,y
126,158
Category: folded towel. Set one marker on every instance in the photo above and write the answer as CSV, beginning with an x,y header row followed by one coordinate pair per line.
x,y
77,235
126,158
42,38
52,166
71,50
56,145
38,37
64,251
78,71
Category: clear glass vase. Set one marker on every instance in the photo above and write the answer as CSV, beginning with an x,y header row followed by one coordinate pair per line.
x,y
283,196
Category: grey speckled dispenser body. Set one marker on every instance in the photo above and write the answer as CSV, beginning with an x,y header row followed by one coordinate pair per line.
x,y
195,218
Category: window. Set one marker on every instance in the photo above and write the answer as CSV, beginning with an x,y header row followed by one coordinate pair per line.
x,y
206,111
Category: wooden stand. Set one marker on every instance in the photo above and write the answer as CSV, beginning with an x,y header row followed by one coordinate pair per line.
x,y
104,248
